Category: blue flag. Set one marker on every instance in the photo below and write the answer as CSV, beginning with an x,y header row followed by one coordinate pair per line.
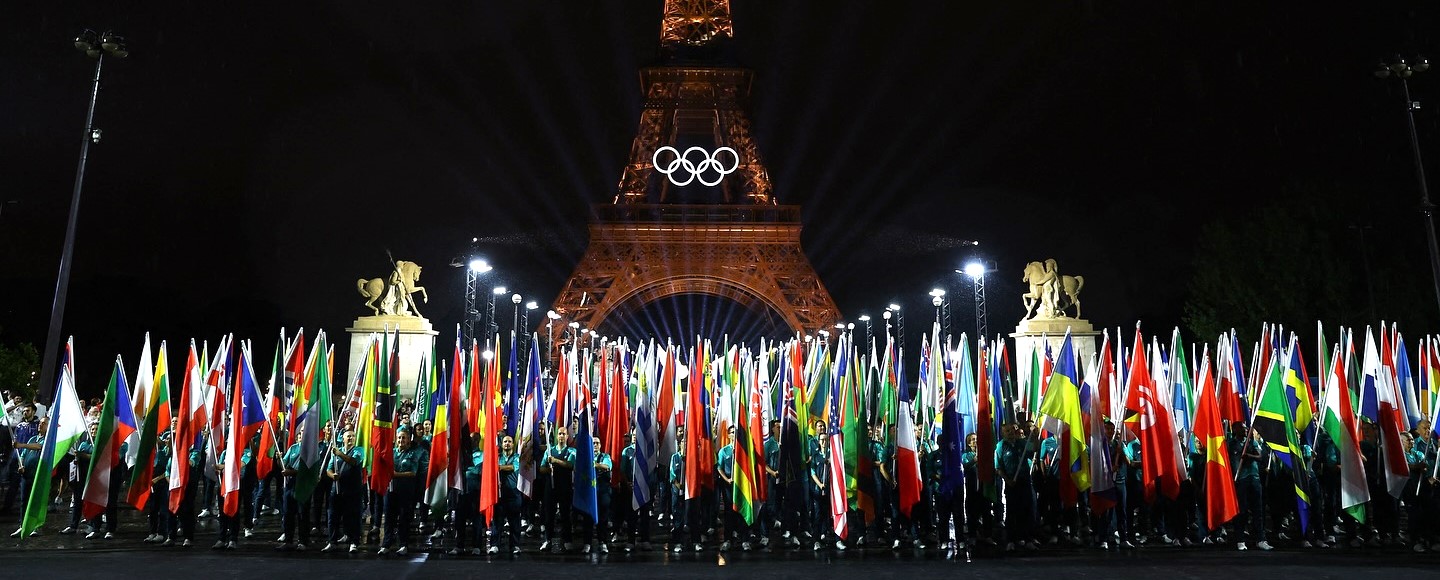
x,y
585,500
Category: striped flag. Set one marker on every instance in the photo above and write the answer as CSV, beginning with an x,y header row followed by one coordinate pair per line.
x,y
117,422
66,427
156,421
190,424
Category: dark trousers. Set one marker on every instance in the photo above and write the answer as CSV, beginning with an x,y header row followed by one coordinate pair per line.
x,y
507,515
399,514
158,511
185,515
295,518
950,512
1252,500
468,512
345,512
1020,508
559,508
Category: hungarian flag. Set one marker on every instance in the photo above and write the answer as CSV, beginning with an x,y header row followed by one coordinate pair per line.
x,y
157,421
188,427
1340,424
247,416
67,426
1220,502
117,422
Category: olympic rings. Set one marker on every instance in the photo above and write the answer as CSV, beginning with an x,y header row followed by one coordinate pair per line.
x,y
709,161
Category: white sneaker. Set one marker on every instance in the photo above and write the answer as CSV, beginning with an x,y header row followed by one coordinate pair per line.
x,y
840,545
494,550
896,545
699,548
604,548
382,551
817,546
168,542
89,536
68,530
205,513
281,539
247,532
354,549
1126,544
1241,546
185,544
1104,545
219,545
1264,545
724,546
230,546
299,547
330,547
108,535
677,548
403,550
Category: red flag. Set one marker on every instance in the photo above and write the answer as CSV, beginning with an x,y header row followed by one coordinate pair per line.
x,y
490,468
1151,422
190,422
1220,501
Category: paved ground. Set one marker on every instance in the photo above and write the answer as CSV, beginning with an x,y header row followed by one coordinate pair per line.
x,y
51,554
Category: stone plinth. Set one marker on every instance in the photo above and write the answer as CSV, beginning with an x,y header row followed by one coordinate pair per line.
x,y
416,339
1031,335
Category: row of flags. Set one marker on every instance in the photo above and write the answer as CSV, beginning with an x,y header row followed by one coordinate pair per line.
x,y
1149,391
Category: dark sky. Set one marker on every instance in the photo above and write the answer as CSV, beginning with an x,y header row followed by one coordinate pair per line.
x,y
258,157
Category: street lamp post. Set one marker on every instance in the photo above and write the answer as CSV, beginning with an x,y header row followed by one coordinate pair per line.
x,y
550,339
899,323
866,319
474,268
492,326
976,271
1403,70
942,312
96,47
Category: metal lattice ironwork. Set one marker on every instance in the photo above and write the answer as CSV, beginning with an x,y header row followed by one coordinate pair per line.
x,y
695,22
645,247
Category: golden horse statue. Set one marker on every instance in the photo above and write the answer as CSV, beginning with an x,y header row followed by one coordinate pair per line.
x,y
394,294
1052,292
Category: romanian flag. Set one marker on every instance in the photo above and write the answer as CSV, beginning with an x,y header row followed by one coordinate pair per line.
x,y
1061,407
117,423
157,421
1220,501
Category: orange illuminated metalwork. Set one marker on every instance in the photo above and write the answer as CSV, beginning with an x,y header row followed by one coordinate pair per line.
x,y
644,246
695,22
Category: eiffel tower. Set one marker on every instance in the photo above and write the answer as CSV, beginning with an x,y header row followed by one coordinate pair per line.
x,y
665,234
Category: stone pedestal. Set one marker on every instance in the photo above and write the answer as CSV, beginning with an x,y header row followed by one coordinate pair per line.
x,y
1031,335
416,340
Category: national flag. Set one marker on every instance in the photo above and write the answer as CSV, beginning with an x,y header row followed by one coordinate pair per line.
x,y
746,473
156,421
952,428
312,413
1150,419
1103,494
144,391
1061,406
1275,422
382,422
584,497
1378,387
907,462
294,378
1231,395
1405,383
838,501
438,470
117,423
528,437
189,425
66,427
1220,501
490,429
274,398
644,459
247,416
1340,424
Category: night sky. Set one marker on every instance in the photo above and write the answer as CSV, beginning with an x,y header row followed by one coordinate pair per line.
x,y
258,157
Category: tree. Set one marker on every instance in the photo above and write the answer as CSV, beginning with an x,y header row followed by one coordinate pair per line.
x,y
19,369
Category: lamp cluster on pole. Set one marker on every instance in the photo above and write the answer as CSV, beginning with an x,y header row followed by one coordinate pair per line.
x,y
1402,69
96,46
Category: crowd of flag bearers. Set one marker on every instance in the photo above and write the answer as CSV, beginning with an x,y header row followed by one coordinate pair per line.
x,y
800,444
